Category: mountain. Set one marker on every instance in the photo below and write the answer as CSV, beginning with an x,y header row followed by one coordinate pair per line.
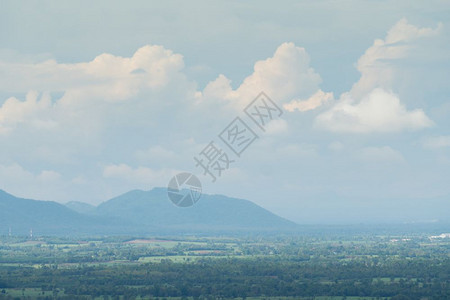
x,y
44,217
138,212
212,213
81,207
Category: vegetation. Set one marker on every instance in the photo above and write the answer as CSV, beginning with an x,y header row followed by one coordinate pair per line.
x,y
339,267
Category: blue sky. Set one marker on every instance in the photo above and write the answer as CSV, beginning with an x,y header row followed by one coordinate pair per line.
x,y
101,98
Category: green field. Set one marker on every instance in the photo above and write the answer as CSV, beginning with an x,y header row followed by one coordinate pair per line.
x,y
315,267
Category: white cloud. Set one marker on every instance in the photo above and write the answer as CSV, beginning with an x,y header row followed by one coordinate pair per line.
x,y
13,172
49,176
437,142
113,105
155,153
380,111
33,111
96,98
106,106
318,99
88,88
21,182
376,64
370,106
284,76
140,176
112,77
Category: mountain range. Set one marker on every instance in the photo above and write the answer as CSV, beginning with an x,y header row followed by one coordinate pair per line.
x,y
138,212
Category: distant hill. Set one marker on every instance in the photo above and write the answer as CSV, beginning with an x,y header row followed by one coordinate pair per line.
x,y
138,212
81,207
44,217
213,212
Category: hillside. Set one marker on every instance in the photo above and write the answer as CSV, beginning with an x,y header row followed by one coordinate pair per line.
x,y
44,217
212,212
138,212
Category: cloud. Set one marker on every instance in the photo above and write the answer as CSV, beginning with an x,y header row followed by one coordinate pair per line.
x,y
371,106
49,176
284,76
383,154
377,66
90,90
33,111
318,99
437,142
81,116
110,76
140,175
155,153
380,111
15,179
86,121
77,110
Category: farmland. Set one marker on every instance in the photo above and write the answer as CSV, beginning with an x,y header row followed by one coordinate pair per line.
x,y
314,267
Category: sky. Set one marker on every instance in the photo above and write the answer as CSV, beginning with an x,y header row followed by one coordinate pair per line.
x,y
97,99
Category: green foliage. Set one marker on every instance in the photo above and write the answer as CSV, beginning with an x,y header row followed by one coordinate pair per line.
x,y
355,267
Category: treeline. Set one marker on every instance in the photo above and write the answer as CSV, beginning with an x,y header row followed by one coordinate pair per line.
x,y
229,278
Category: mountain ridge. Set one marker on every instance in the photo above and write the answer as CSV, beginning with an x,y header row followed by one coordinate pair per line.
x,y
211,210
138,212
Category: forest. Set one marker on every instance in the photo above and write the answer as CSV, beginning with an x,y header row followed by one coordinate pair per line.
x,y
314,267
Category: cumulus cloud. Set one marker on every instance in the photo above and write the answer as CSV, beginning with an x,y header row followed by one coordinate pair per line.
x,y
114,100
380,111
109,107
371,106
88,88
77,108
112,77
318,99
33,111
376,65
284,76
